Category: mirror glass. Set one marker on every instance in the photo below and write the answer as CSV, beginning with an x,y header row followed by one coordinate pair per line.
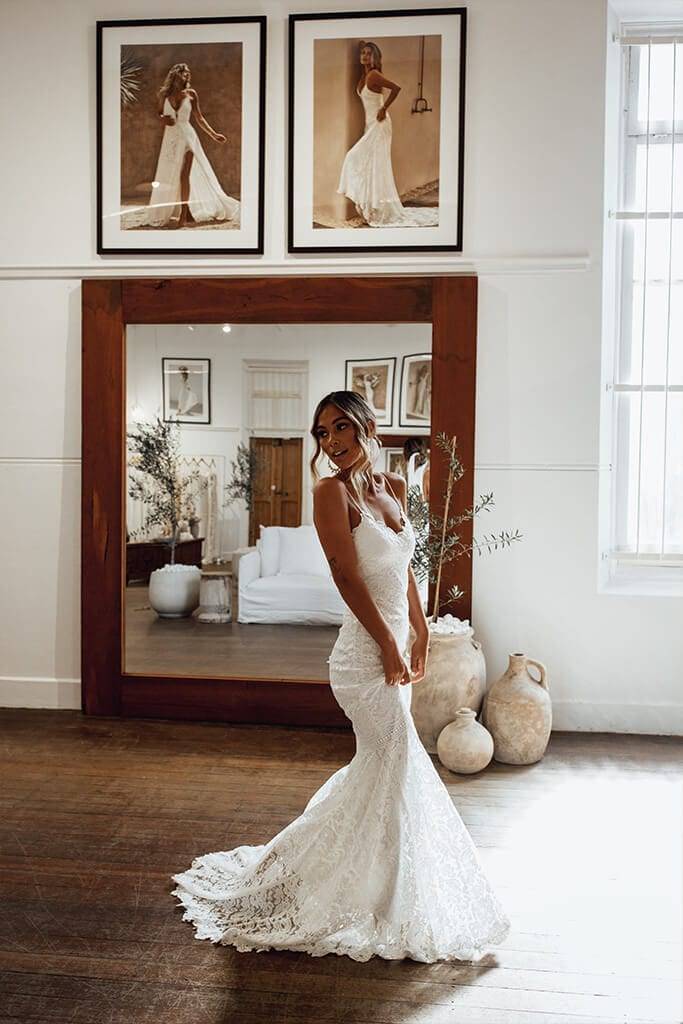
x,y
225,576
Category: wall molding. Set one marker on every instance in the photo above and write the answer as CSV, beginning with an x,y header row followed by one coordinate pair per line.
x,y
372,266
517,467
63,694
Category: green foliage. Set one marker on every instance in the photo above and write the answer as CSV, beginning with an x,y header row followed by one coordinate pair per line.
x,y
437,540
155,478
243,469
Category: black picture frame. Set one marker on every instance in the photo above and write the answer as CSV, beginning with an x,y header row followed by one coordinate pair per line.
x,y
402,420
164,396
254,248
454,244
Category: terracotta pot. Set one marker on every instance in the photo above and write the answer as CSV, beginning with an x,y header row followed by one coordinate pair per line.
x,y
465,746
455,678
517,711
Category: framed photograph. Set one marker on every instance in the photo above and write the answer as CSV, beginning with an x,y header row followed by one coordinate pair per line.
x,y
376,129
415,403
180,135
374,380
186,385
395,461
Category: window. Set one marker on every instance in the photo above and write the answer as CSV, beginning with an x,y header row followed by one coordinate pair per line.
x,y
647,379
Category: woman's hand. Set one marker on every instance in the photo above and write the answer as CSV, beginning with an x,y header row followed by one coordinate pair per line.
x,y
395,668
381,113
167,119
418,657
218,137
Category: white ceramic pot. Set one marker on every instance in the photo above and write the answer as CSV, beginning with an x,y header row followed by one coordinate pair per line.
x,y
174,590
455,678
517,712
465,746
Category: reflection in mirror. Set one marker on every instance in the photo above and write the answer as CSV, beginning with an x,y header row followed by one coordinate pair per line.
x,y
225,575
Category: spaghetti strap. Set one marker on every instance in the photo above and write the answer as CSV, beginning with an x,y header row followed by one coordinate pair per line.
x,y
391,491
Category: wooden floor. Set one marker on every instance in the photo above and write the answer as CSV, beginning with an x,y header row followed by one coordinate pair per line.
x,y
188,647
583,848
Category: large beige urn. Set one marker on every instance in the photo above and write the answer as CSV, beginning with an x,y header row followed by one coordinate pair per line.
x,y
517,711
455,678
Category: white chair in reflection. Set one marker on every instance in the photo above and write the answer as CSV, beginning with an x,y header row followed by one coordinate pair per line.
x,y
286,578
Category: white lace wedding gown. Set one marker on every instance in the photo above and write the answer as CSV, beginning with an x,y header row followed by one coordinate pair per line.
x,y
367,177
379,863
207,200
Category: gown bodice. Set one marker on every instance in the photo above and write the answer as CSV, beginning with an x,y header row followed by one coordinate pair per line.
x,y
184,112
383,559
372,101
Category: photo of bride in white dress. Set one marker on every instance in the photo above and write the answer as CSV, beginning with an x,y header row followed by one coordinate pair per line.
x,y
379,863
367,176
185,190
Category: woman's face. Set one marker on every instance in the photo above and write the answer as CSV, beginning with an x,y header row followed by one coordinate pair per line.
x,y
366,56
337,436
185,76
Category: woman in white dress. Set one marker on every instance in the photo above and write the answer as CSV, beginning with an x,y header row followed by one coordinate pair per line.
x,y
379,863
187,397
186,189
367,177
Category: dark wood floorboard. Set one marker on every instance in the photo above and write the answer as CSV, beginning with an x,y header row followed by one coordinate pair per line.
x,y
584,849
188,647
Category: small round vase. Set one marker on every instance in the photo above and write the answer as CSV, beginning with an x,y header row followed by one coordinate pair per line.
x,y
455,678
174,590
465,746
517,711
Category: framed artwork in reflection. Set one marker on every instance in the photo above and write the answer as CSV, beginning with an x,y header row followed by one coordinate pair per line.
x,y
186,386
415,402
376,130
374,380
180,135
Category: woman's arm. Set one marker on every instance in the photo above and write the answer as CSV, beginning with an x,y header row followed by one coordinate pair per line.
x,y
376,81
168,119
331,519
201,120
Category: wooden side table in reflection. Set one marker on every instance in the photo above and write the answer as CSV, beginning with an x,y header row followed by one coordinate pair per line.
x,y
215,597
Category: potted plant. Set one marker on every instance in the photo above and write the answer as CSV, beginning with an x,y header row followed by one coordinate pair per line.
x,y
456,669
169,497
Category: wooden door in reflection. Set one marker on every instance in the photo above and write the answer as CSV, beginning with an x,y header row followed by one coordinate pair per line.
x,y
276,491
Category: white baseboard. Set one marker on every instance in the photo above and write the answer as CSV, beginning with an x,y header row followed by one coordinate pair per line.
x,y
40,692
568,715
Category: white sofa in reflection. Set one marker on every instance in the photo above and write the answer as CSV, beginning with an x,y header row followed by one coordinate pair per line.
x,y
286,578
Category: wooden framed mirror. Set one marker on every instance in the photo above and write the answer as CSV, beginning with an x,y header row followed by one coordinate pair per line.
x,y
115,311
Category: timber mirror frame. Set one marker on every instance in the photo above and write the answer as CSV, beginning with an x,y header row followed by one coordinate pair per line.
x,y
449,303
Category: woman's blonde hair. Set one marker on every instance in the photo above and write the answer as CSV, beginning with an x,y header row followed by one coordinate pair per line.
x,y
361,415
169,82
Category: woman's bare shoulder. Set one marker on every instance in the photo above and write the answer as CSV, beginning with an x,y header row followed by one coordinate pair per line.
x,y
329,490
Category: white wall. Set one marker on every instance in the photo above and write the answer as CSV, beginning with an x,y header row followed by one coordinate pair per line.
x,y
324,351
535,139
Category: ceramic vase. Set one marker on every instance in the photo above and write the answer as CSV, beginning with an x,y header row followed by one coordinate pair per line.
x,y
455,678
517,711
174,590
464,745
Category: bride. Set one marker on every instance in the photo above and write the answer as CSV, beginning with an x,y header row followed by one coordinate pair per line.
x,y
186,189
379,863
367,177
